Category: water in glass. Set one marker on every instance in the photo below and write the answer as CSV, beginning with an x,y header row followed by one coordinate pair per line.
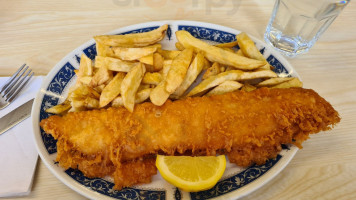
x,y
295,25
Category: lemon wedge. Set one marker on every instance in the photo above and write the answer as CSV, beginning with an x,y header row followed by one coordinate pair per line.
x,y
191,174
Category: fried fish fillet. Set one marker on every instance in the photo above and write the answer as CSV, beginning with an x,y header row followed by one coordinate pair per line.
x,y
247,126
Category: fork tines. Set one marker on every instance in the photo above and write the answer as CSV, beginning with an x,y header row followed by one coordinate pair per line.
x,y
16,82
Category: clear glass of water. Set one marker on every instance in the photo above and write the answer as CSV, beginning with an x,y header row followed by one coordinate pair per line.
x,y
295,25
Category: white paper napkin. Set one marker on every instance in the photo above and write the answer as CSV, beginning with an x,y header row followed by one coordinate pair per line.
x,y
18,154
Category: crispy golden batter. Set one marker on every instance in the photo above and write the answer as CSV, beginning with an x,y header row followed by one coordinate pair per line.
x,y
135,172
248,126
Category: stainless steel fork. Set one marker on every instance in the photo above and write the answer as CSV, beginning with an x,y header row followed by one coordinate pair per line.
x,y
14,85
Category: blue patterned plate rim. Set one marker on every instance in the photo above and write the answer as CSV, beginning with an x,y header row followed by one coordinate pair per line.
x,y
58,80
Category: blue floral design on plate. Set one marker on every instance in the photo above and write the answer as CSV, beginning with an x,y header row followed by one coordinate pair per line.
x,y
209,34
66,73
105,187
57,85
278,66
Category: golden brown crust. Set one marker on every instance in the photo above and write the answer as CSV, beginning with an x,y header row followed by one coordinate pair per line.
x,y
134,172
249,126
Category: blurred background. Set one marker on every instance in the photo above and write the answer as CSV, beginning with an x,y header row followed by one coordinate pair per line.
x,y
43,31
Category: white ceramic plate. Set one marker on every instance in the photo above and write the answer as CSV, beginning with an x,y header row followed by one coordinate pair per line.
x,y
236,181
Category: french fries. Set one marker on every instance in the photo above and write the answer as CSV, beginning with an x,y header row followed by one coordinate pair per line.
x,y
133,68
130,84
233,75
168,54
248,87
273,81
147,59
85,79
102,76
133,40
159,95
152,78
141,96
154,62
130,54
294,82
60,108
111,90
82,97
114,64
158,62
248,47
85,67
216,54
178,70
225,87
193,71
179,46
211,71
228,45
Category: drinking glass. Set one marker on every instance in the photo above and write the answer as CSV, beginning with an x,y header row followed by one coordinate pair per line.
x,y
295,25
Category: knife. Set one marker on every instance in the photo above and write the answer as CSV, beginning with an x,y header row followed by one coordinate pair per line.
x,y
15,117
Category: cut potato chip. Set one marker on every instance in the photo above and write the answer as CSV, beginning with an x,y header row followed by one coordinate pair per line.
x,y
59,109
248,87
99,88
133,39
229,49
85,66
81,92
165,70
85,79
152,78
233,75
159,95
193,71
207,64
111,90
158,62
178,70
168,54
143,86
239,52
100,49
229,68
273,81
179,46
144,70
77,109
130,85
114,64
216,54
294,82
225,87
212,71
102,76
147,59
86,103
248,47
141,96
228,45
131,54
